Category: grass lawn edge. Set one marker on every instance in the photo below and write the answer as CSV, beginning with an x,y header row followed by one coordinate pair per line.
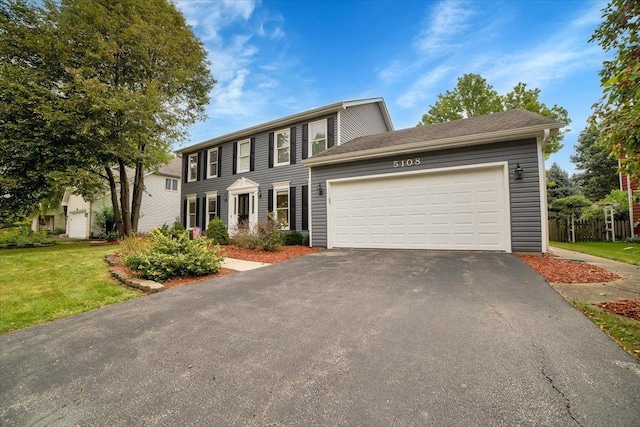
x,y
625,332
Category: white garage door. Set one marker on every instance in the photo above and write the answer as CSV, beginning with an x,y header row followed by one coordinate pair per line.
x,y
77,225
461,210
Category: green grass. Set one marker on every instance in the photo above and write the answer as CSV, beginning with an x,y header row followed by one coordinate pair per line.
x,y
42,284
626,332
617,251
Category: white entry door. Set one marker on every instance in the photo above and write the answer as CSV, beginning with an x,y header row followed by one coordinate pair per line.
x,y
77,225
464,209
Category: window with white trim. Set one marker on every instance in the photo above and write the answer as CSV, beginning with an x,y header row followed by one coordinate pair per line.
x,y
212,206
212,167
193,167
281,151
244,155
317,137
171,184
191,212
281,203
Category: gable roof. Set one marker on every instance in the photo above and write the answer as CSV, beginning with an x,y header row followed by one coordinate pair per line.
x,y
173,168
503,126
289,120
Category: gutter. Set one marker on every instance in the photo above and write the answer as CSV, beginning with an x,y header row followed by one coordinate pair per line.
x,y
438,144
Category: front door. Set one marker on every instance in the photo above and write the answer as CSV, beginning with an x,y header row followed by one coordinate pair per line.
x,y
243,210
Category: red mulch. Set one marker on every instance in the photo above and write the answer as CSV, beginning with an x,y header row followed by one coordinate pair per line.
x,y
283,253
625,307
229,251
558,270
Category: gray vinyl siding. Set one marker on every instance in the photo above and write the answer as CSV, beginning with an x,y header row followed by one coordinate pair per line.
x,y
361,120
297,173
526,227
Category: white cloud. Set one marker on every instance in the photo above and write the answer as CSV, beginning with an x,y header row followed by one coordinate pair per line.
x,y
420,90
444,28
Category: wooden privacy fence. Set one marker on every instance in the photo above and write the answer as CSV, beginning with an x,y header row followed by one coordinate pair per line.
x,y
587,231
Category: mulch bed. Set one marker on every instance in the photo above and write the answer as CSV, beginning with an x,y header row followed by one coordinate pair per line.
x,y
624,307
283,253
229,251
559,270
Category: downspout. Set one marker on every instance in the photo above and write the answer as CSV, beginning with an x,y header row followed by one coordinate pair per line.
x,y
543,192
630,197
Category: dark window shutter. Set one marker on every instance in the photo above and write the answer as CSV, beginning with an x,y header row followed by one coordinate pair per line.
x,y
205,165
330,132
292,146
199,166
235,158
292,208
185,167
220,161
305,207
197,212
218,206
271,149
252,156
205,218
184,213
305,141
270,200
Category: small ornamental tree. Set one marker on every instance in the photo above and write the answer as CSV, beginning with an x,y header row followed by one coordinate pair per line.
x,y
217,231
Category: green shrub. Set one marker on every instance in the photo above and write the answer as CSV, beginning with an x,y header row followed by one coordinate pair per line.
x,y
217,231
293,238
305,240
266,235
57,231
167,257
24,236
112,236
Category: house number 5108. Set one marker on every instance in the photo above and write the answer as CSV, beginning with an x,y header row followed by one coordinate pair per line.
x,y
406,163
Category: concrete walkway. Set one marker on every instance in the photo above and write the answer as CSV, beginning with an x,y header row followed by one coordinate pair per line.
x,y
242,265
626,288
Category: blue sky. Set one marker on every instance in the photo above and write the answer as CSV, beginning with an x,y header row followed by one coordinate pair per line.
x,y
276,58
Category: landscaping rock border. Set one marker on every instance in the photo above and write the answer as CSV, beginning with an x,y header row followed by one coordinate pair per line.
x,y
148,286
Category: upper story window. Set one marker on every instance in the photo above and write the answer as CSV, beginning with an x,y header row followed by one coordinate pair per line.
x,y
282,147
244,155
317,137
193,167
212,168
171,184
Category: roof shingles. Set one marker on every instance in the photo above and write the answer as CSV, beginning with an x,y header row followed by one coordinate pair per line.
x,y
503,121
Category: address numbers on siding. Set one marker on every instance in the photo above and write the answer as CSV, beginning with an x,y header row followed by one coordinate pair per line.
x,y
406,163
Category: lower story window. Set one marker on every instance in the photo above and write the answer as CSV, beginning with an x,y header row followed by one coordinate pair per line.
x,y
191,213
212,208
282,207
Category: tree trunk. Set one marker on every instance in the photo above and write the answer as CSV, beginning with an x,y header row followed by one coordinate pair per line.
x,y
125,199
138,188
117,217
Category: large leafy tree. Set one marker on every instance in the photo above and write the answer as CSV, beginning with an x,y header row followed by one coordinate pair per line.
x,y
99,92
473,96
618,112
559,186
599,171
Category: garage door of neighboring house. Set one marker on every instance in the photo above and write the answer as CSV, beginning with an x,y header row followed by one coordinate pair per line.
x,y
447,209
77,225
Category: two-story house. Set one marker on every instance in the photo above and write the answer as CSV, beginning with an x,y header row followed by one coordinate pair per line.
x,y
342,174
241,176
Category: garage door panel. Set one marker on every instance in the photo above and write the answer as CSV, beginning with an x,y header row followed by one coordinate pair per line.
x,y
455,210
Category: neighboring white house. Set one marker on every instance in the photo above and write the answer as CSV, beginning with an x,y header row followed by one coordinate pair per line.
x,y
160,205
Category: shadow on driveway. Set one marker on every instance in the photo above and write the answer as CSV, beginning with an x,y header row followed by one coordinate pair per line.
x,y
367,337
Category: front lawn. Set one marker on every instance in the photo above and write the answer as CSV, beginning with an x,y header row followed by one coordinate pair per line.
x,y
617,251
625,332
42,284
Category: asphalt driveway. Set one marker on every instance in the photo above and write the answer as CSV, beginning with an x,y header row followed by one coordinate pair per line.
x,y
336,338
